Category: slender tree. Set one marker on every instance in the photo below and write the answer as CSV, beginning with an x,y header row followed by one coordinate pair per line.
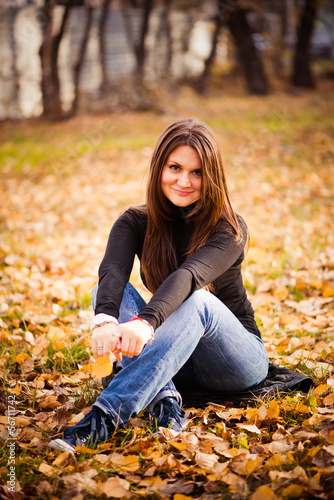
x,y
203,80
81,56
234,16
138,46
249,58
302,73
49,58
102,29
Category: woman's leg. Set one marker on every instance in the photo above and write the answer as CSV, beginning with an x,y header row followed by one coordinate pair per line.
x,y
228,356
131,305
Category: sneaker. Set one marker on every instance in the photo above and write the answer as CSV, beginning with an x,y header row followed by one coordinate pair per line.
x,y
93,429
168,418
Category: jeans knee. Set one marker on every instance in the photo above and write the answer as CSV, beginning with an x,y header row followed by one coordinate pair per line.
x,y
199,298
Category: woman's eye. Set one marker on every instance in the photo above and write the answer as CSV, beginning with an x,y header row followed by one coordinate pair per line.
x,y
198,173
174,167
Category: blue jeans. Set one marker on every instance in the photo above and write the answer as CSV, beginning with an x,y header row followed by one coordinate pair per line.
x,y
201,344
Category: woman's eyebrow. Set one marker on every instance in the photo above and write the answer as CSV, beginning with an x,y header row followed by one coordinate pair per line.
x,y
173,161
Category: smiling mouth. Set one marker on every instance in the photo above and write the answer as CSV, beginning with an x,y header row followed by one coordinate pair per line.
x,y
182,193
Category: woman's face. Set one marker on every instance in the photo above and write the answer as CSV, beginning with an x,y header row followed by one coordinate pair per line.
x,y
181,177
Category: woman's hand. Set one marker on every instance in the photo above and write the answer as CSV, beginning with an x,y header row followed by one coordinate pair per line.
x,y
135,334
107,337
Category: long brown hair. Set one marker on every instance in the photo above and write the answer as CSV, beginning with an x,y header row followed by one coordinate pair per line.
x,y
212,210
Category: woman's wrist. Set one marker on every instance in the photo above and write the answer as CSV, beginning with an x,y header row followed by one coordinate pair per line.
x,y
135,318
102,319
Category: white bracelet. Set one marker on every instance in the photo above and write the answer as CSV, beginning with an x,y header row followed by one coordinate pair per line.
x,y
102,319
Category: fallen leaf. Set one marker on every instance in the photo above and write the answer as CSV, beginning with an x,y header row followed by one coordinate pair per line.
x,y
115,487
250,428
82,481
102,367
263,493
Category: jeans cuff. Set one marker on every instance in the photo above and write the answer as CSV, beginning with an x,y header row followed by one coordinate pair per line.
x,y
169,393
115,418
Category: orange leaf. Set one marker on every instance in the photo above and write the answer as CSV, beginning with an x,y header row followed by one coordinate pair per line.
x,y
273,410
281,292
102,367
60,355
329,400
328,292
115,487
263,493
320,389
21,358
46,469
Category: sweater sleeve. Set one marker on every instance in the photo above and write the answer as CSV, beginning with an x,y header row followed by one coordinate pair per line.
x,y
116,266
205,266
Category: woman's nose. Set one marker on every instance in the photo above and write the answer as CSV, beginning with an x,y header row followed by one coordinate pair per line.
x,y
184,180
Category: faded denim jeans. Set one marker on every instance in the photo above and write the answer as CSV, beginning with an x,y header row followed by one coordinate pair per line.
x,y
201,345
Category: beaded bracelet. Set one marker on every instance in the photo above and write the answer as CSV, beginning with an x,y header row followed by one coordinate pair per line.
x,y
134,318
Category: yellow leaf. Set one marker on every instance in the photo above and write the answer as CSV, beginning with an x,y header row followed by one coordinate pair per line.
x,y
328,292
46,469
178,446
59,345
329,400
25,361
6,336
292,491
263,493
330,437
61,459
273,410
179,496
21,358
16,390
281,292
128,463
55,334
115,487
102,367
274,461
60,355
83,449
320,389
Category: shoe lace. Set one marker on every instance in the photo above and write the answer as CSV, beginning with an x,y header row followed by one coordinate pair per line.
x,y
166,411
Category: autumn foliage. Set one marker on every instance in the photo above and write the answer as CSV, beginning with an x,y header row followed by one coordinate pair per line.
x,y
63,186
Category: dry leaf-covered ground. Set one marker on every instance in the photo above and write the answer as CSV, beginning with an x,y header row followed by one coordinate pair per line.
x,y
63,185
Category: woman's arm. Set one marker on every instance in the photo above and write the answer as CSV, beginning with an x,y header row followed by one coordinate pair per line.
x,y
202,268
116,266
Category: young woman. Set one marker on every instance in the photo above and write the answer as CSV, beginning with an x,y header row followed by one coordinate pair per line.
x,y
198,330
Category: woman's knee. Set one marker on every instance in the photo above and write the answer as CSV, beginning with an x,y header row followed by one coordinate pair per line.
x,y
199,298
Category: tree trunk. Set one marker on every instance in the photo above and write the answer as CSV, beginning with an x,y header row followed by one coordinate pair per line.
x,y
81,57
14,105
168,31
49,60
302,74
249,57
140,49
203,80
102,29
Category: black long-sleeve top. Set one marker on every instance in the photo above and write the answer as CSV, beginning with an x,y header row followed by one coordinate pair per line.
x,y
218,262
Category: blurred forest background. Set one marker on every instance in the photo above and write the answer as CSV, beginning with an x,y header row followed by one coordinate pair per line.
x,y
63,57
85,90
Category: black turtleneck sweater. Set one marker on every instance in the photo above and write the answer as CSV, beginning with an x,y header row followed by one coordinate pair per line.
x,y
217,262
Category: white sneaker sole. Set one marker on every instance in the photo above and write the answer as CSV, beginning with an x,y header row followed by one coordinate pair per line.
x,y
61,445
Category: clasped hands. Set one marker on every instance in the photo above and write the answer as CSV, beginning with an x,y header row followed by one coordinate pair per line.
x,y
126,339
